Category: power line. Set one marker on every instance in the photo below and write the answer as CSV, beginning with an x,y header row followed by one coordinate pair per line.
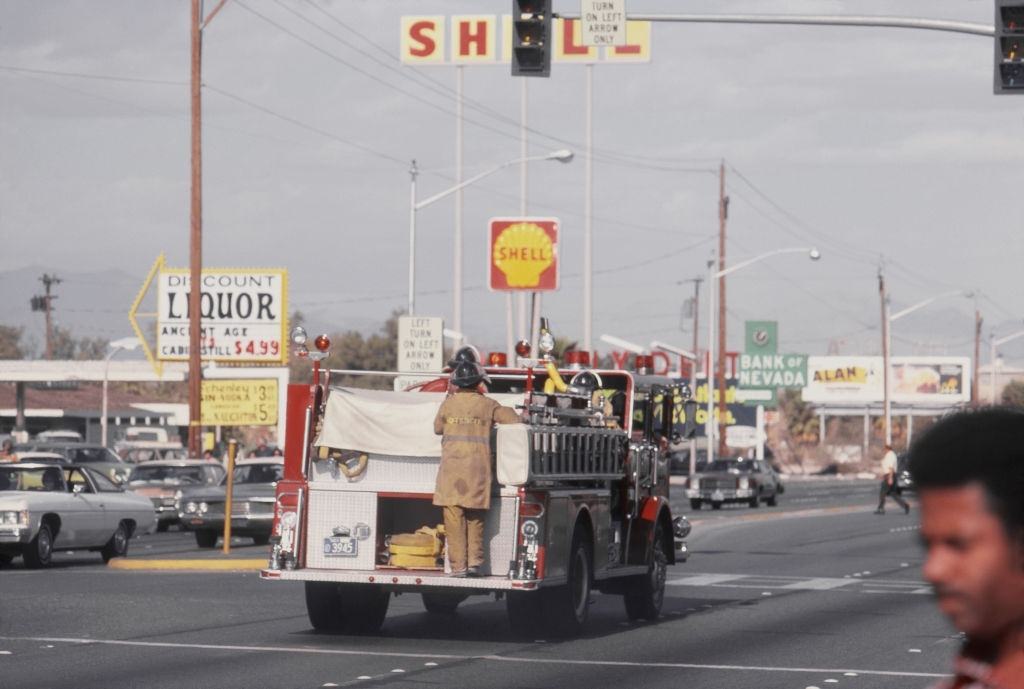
x,y
101,77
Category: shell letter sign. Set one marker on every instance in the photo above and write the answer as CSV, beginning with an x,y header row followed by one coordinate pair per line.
x,y
523,254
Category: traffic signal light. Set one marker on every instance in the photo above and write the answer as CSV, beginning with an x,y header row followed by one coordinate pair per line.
x,y
531,38
1009,64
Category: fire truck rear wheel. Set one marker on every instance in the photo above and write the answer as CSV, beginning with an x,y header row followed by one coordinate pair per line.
x,y
346,608
439,603
646,593
568,606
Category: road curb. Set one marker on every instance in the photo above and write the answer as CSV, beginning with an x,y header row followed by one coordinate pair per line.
x,y
179,565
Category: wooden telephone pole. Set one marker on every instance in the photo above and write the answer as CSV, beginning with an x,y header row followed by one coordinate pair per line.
x,y
723,215
195,373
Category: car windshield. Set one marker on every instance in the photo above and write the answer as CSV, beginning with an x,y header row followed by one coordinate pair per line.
x,y
258,473
731,465
168,474
88,455
31,478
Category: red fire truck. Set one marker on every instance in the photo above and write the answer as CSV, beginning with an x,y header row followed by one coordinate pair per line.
x,y
580,501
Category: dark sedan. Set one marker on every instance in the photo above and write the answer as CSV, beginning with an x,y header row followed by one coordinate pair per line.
x,y
752,481
252,503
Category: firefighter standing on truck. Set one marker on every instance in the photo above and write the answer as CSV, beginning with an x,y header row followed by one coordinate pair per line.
x,y
463,485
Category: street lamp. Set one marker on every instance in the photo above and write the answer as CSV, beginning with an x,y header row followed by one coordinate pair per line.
x,y
125,343
886,354
561,155
995,342
623,344
709,427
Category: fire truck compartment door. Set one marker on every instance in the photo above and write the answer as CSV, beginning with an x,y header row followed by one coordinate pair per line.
x,y
513,454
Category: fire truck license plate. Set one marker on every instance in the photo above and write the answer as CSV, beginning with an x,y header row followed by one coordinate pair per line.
x,y
340,546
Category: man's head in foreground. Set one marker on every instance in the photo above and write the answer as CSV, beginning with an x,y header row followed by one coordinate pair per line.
x,y
969,473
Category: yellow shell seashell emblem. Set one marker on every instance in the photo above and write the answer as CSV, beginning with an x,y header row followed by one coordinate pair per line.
x,y
522,252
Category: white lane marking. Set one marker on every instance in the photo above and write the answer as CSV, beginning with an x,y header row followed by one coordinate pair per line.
x,y
849,674
819,584
926,590
430,664
398,670
704,579
364,677
913,650
5,653
491,658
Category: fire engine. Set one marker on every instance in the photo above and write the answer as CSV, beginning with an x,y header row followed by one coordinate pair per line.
x,y
580,502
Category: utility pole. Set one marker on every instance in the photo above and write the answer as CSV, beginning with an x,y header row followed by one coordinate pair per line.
x,y
695,305
44,303
723,215
195,241
885,355
977,356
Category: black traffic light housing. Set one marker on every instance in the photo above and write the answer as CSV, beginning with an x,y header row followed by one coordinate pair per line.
x,y
1009,56
531,38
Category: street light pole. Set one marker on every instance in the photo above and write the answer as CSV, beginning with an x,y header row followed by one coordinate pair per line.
x,y
562,156
709,427
115,347
995,342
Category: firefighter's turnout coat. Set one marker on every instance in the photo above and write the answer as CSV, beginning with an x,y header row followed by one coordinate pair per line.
x,y
465,420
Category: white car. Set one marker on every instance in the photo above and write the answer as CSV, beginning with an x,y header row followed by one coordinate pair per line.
x,y
44,508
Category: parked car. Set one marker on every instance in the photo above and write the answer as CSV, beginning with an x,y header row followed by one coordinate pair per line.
x,y
59,436
252,510
31,456
734,480
45,508
97,456
138,451
163,481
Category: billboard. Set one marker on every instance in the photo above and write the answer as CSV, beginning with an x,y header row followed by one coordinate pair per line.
x,y
936,381
244,315
523,254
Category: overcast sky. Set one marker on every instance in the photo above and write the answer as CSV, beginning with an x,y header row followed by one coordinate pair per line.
x,y
868,143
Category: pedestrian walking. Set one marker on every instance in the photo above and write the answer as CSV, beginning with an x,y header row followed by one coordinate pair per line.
x,y
888,486
463,486
969,473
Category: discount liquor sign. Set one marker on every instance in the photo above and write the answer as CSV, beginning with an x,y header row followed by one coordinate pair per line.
x,y
523,254
243,314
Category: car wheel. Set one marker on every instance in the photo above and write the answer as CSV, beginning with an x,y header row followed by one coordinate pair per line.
x,y
346,608
716,504
439,603
205,538
773,500
647,593
695,503
262,539
162,526
39,551
117,546
755,501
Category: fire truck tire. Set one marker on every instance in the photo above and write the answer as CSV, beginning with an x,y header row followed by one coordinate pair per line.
x,y
438,603
205,538
646,593
695,503
346,608
568,606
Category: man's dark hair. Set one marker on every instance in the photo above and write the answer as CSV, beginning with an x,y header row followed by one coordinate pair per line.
x,y
985,447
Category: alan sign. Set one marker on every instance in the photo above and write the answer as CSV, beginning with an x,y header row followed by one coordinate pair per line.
x,y
244,315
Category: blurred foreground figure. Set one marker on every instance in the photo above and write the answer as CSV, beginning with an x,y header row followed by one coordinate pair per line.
x,y
969,472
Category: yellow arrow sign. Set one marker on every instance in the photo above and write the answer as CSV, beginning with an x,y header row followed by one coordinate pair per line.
x,y
133,315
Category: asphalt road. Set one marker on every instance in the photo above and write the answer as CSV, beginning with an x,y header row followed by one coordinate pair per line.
x,y
817,592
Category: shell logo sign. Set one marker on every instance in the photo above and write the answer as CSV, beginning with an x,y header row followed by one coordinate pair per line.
x,y
523,254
